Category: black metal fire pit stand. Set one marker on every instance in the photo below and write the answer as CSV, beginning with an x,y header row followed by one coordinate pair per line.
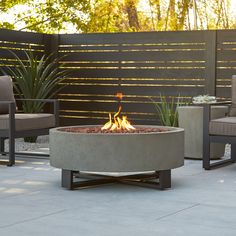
x,y
157,180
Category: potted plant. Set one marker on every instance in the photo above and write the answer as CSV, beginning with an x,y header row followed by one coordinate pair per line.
x,y
167,110
35,78
201,99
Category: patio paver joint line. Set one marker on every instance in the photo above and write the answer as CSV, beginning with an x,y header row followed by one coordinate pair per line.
x,y
32,219
176,212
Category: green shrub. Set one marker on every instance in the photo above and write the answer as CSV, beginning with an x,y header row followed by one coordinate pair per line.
x,y
35,78
167,110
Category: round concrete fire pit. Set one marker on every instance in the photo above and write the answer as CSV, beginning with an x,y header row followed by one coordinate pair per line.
x,y
115,152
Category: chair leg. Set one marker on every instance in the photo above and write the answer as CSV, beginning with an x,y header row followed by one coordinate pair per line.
x,y
233,152
11,150
2,145
206,153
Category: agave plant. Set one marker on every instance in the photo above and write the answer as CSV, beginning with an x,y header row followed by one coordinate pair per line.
x,y
36,78
167,110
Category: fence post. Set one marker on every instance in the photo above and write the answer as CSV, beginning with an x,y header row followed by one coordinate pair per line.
x,y
211,60
51,42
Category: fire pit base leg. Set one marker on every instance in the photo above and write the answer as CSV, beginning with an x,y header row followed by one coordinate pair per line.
x,y
165,179
158,180
67,179
149,180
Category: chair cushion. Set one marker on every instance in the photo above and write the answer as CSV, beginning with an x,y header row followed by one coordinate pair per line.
x,y
223,126
29,121
6,92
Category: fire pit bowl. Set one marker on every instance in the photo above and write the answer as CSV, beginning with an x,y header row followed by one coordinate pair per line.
x,y
153,151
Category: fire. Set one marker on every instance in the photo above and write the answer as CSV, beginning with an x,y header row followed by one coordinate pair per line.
x,y
119,96
116,123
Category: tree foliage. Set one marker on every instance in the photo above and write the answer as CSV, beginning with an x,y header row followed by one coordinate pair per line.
x,y
55,16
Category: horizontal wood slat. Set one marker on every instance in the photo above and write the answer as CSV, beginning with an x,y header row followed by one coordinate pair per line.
x,y
134,65
134,56
226,36
140,73
134,47
21,37
132,38
137,90
130,81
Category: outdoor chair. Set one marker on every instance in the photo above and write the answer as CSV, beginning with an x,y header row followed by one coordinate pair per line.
x,y
17,125
222,130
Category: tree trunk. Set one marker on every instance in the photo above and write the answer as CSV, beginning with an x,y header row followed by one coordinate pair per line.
x,y
183,13
158,4
195,14
131,9
173,17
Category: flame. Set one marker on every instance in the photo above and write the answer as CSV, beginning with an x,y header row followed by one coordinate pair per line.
x,y
119,96
117,123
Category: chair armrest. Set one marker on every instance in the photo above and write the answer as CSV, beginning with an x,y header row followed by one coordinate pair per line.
x,y
207,108
55,103
207,112
6,102
11,106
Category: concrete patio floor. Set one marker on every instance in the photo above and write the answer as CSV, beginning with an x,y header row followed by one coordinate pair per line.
x,y
199,203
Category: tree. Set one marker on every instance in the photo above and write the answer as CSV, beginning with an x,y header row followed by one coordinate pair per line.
x,y
55,16
49,16
106,16
5,5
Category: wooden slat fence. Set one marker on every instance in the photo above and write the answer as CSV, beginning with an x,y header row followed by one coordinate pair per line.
x,y
140,65
226,62
18,42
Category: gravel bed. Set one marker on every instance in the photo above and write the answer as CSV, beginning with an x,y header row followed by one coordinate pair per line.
x,y
41,143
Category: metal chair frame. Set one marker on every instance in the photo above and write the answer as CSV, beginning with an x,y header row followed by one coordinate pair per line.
x,y
208,138
12,133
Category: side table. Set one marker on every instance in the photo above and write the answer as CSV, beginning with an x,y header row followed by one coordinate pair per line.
x,y
191,119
